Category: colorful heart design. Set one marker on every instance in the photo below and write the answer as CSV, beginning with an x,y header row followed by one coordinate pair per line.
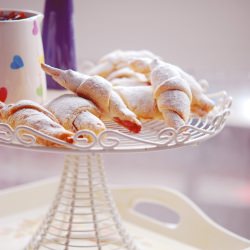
x,y
3,94
17,62
39,90
35,29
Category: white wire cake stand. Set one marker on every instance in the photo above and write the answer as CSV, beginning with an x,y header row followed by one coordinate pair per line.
x,y
83,214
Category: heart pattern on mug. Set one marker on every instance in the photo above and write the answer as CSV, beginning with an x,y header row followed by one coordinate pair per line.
x,y
17,62
35,29
39,90
3,94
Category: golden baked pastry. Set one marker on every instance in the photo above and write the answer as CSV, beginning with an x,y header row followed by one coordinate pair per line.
x,y
172,94
118,59
200,104
140,100
76,113
33,115
100,92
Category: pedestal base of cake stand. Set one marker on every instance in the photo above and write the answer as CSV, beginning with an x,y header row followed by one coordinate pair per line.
x,y
83,214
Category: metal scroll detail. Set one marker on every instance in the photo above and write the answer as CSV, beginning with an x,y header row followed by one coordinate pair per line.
x,y
154,134
6,133
27,136
83,214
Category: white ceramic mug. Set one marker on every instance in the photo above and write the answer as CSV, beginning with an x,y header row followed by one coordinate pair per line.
x,y
21,53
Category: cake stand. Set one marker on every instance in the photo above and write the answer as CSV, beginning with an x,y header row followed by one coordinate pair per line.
x,y
83,214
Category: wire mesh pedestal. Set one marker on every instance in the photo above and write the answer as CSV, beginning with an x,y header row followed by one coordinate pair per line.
x,y
83,214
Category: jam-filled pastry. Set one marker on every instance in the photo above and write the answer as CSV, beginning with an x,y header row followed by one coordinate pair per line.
x,y
201,104
128,82
172,94
128,73
76,113
141,65
140,100
33,115
118,59
100,92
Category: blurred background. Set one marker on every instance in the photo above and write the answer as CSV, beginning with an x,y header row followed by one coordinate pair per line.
x,y
209,39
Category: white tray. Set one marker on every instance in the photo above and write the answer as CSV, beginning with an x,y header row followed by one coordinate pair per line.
x,y
19,219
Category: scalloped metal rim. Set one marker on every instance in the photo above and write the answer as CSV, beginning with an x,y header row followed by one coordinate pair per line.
x,y
154,135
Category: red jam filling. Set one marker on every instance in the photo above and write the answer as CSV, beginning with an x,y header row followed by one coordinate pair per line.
x,y
128,124
13,15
